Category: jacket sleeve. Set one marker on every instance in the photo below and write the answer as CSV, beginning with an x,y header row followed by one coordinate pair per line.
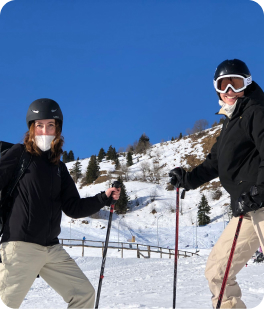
x,y
256,129
8,163
74,206
204,172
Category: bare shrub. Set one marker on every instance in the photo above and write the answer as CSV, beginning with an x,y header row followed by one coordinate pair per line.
x,y
145,169
124,169
217,194
153,195
153,210
169,187
129,148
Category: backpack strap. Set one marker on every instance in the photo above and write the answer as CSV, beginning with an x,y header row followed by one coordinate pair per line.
x,y
21,167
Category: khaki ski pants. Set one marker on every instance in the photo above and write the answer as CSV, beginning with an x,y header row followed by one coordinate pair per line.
x,y
22,262
250,237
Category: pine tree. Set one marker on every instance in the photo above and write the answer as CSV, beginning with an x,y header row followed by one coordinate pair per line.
x,y
101,155
91,172
64,157
115,155
76,171
172,139
117,164
180,136
143,144
129,159
122,203
70,156
203,211
109,154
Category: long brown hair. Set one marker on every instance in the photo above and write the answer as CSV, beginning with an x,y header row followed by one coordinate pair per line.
x,y
56,144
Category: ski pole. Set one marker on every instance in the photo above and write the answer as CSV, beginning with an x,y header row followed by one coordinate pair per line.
x,y
229,263
116,184
176,243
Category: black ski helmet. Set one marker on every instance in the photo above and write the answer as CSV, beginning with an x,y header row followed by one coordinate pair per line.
x,y
234,66
44,109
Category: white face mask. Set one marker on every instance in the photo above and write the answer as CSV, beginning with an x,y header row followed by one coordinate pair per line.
x,y
44,141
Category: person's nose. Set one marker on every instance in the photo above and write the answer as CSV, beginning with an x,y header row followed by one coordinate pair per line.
x,y
44,130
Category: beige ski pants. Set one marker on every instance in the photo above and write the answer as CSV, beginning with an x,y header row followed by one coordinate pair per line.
x,y
22,262
250,237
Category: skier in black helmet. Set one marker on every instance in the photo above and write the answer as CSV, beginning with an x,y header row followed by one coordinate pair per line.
x,y
30,244
237,158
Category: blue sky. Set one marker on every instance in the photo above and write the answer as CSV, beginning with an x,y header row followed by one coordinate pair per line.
x,y
119,68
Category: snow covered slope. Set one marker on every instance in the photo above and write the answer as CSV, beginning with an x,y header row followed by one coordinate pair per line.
x,y
151,214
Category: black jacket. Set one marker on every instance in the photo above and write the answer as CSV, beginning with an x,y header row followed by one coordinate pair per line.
x,y
237,157
44,191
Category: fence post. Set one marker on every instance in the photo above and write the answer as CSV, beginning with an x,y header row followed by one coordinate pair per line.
x,y
122,251
148,251
82,247
170,253
161,252
138,255
62,242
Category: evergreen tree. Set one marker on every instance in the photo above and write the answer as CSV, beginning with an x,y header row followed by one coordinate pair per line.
x,y
122,203
180,136
172,139
70,156
76,171
64,157
101,155
203,211
143,144
117,164
111,153
91,172
129,159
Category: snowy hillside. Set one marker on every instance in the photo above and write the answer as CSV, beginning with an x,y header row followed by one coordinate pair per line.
x,y
151,197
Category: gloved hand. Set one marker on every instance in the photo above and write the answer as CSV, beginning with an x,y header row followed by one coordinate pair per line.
x,y
248,201
177,177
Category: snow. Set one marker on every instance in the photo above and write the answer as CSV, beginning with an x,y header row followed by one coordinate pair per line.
x,y
148,283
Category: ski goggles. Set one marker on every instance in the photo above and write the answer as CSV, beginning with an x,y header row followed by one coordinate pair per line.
x,y
236,82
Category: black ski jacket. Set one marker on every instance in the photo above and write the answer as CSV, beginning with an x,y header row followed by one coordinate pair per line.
x,y
237,157
44,191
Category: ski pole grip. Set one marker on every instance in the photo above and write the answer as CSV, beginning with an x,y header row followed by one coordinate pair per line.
x,y
115,184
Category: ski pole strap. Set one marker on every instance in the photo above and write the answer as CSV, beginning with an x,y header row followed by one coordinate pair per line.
x,y
183,194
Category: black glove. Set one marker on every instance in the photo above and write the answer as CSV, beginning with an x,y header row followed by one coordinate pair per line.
x,y
177,177
248,201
